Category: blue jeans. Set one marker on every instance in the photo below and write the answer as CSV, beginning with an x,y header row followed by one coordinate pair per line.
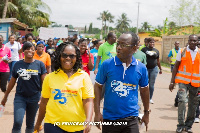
x,y
30,106
152,78
11,65
50,128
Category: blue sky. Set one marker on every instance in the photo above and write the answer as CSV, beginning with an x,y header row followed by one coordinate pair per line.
x,y
82,12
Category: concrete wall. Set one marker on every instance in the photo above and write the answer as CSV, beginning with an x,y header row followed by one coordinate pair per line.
x,y
168,44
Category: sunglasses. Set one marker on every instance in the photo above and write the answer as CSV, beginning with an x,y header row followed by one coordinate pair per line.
x,y
71,56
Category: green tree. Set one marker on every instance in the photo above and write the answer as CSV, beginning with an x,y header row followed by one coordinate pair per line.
x,y
54,24
85,30
172,25
26,11
133,29
106,16
90,29
70,26
185,12
122,24
146,26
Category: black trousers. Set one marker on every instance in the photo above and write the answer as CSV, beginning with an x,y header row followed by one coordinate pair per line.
x,y
124,125
3,80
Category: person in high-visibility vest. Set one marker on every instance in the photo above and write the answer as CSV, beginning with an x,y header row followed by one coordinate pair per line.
x,y
172,59
186,73
172,54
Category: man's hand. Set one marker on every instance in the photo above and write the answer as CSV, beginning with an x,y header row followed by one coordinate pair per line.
x,y
145,119
160,72
98,118
171,87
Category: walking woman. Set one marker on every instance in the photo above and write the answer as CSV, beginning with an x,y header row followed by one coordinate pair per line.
x,y
87,57
41,55
67,94
153,63
50,49
5,55
30,74
15,48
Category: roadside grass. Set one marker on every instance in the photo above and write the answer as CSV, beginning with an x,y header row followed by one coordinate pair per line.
x,y
165,64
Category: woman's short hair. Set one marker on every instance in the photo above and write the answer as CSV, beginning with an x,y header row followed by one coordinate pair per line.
x,y
60,49
150,39
27,45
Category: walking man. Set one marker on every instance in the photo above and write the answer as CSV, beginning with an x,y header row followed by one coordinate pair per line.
x,y
186,73
172,59
122,74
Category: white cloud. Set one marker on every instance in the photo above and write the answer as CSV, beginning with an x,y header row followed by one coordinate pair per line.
x,y
82,12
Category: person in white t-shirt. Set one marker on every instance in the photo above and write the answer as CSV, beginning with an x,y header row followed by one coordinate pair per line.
x,y
15,48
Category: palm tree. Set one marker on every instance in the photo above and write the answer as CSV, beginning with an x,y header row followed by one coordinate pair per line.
x,y
146,26
106,16
27,11
5,9
122,24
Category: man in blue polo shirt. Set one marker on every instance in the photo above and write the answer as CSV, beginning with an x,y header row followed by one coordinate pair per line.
x,y
122,74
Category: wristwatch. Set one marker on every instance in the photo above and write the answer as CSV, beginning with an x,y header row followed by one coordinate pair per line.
x,y
147,111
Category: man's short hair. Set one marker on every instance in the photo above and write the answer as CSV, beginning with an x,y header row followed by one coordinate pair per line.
x,y
134,40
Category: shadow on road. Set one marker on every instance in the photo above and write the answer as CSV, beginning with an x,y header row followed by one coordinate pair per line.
x,y
168,118
163,109
160,131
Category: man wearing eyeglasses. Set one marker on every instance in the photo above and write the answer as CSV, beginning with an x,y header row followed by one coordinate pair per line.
x,y
122,75
186,73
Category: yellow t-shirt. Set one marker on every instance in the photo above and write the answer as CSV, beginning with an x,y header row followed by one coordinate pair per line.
x,y
65,98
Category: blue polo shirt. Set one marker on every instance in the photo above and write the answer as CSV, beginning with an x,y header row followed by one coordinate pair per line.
x,y
121,87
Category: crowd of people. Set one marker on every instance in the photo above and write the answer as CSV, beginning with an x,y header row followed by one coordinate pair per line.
x,y
54,76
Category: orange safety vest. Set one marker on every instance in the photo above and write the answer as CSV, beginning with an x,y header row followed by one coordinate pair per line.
x,y
188,71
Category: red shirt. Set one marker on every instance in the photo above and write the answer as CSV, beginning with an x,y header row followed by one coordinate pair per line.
x,y
4,51
85,61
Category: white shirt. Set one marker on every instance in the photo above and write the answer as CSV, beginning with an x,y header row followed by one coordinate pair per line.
x,y
14,50
192,53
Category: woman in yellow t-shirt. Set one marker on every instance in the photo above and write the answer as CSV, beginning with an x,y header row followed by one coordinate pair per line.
x,y
67,94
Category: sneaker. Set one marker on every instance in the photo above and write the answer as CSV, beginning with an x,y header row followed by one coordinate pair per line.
x,y
151,101
189,130
196,120
176,104
179,129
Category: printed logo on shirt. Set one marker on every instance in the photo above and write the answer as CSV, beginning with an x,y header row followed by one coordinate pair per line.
x,y
151,53
25,74
122,89
61,95
109,54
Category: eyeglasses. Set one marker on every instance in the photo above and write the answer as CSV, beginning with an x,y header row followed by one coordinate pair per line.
x,y
71,56
123,45
193,41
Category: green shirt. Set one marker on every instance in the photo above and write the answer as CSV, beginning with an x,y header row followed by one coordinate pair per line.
x,y
141,47
107,51
139,55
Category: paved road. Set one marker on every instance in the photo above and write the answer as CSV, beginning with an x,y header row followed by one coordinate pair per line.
x,y
163,118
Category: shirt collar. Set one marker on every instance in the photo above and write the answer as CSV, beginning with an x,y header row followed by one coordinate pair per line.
x,y
118,61
78,71
196,49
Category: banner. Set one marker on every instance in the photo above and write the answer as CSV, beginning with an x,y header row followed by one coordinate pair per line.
x,y
59,32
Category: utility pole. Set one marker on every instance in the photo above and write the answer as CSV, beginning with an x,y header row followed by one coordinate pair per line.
x,y
138,17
